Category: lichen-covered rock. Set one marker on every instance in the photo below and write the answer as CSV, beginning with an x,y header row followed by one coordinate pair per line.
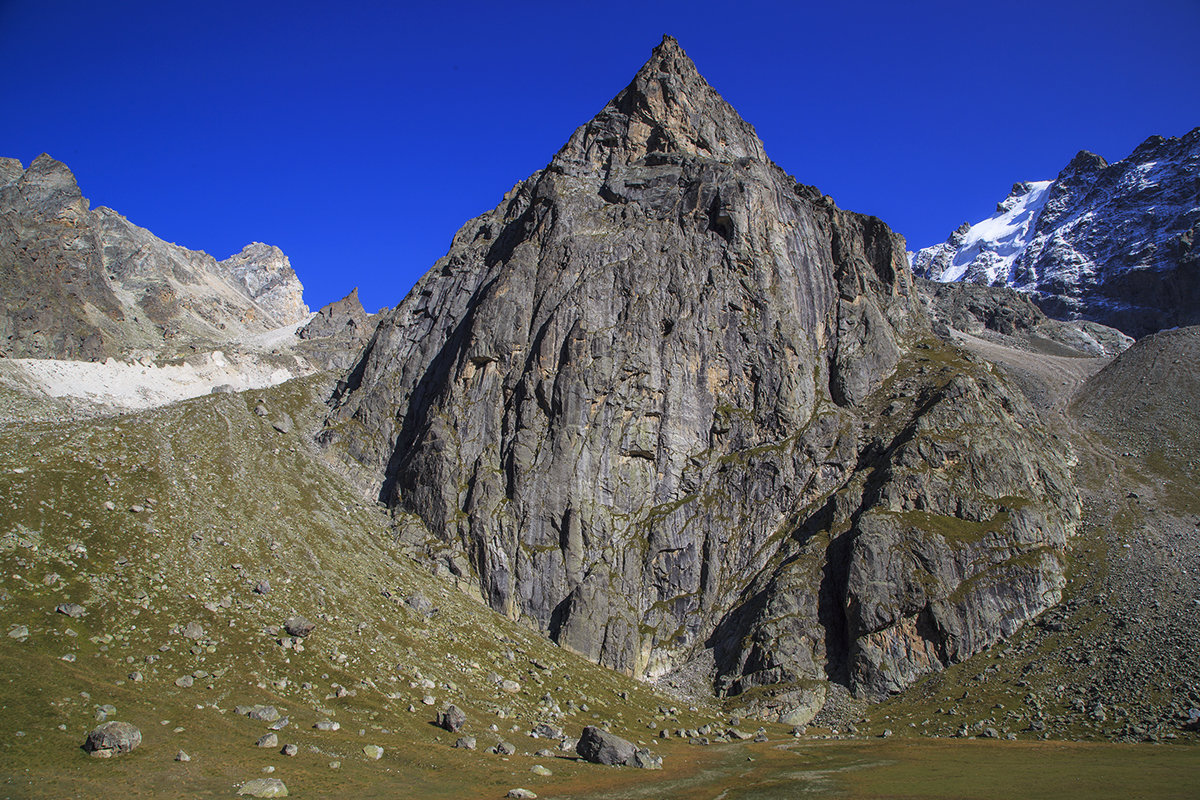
x,y
112,739
451,719
646,402
263,787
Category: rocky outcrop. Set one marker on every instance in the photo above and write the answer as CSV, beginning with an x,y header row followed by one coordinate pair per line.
x,y
1010,315
666,404
267,277
337,334
84,283
1112,243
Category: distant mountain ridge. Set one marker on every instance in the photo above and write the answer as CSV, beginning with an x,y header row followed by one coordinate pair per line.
x,y
1113,243
83,283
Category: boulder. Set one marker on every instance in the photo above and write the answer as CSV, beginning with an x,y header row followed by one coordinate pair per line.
x,y
112,739
451,719
263,787
601,747
298,626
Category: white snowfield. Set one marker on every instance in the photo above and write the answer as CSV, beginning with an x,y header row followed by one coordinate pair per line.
x,y
995,243
141,384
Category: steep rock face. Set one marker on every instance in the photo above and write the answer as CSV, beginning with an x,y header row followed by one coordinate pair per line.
x,y
1113,243
622,395
267,277
86,284
337,333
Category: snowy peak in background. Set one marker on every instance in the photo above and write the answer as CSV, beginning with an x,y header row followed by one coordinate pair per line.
x,y
985,252
1113,243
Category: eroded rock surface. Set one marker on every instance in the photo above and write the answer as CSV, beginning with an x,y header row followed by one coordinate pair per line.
x,y
670,406
83,283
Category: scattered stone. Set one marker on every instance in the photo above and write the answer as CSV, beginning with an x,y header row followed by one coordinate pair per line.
x,y
267,740
112,739
262,587
282,423
420,603
182,756
538,769
887,733
327,725
521,794
185,681
19,632
260,410
264,787
429,700
193,630
73,610
465,743
504,749
258,712
544,730
281,724
512,687
452,719
373,752
644,759
290,750
298,626
135,676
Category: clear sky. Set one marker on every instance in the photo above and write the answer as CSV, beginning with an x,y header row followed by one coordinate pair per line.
x,y
359,136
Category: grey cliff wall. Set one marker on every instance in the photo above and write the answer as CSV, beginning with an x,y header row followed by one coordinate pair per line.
x,y
640,406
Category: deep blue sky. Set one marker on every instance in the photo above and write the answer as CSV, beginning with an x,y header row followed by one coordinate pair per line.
x,y
359,136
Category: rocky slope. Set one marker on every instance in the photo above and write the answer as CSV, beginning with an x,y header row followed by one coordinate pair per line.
x,y
1116,660
83,283
1113,243
685,416
151,563
1012,318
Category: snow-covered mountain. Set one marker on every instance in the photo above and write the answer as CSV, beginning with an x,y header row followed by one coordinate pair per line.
x,y
1112,243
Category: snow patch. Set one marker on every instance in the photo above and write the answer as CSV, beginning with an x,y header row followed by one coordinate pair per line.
x,y
142,384
994,244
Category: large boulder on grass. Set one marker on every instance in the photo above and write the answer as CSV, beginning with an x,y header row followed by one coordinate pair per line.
x,y
601,747
112,739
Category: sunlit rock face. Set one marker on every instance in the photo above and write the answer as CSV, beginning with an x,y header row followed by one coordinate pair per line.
x,y
83,283
672,408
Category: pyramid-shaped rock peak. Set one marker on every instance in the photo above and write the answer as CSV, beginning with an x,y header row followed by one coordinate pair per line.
x,y
667,108
637,405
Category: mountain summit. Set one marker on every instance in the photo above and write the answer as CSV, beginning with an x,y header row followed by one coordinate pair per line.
x,y
667,108
685,416
87,284
1113,243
